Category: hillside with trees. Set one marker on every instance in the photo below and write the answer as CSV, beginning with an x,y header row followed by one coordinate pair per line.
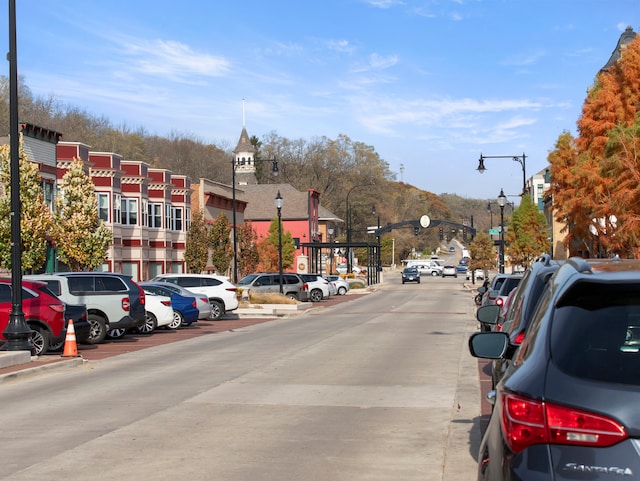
x,y
331,166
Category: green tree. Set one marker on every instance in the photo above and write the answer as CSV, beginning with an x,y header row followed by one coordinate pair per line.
x,y
82,238
196,249
528,235
35,216
483,252
220,243
247,244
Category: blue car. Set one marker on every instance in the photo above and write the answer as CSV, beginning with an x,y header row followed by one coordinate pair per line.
x,y
183,302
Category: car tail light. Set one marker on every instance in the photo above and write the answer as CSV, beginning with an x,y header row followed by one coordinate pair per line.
x,y
230,289
500,301
57,307
526,422
168,303
305,287
126,304
141,295
194,304
519,338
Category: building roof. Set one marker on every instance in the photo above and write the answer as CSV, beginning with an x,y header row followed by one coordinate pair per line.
x,y
244,144
261,202
625,38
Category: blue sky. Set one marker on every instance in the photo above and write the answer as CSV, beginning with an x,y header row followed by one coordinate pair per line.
x,y
429,84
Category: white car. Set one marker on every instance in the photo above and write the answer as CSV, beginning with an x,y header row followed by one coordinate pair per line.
x,y
159,312
340,284
221,293
317,287
202,302
478,273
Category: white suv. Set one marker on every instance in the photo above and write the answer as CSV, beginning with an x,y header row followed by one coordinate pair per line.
x,y
222,294
317,286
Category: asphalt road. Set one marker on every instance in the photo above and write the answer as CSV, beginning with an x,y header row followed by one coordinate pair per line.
x,y
378,388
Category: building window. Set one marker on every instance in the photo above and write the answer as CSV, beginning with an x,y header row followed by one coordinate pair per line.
x,y
103,206
176,218
167,216
49,193
129,211
145,213
187,220
155,216
117,217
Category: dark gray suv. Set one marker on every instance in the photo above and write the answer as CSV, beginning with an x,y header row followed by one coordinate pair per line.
x,y
269,282
566,407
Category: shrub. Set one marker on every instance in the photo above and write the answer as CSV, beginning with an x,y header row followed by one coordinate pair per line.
x,y
270,298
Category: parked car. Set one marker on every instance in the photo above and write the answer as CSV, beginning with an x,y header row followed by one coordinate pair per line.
x,y
81,326
221,293
115,303
410,274
159,312
449,271
317,287
462,269
478,274
269,282
490,293
508,285
183,302
565,407
341,285
43,313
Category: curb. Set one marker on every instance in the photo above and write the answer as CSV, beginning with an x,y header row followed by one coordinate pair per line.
x,y
43,368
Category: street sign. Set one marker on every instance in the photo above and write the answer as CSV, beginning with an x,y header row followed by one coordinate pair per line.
x,y
494,232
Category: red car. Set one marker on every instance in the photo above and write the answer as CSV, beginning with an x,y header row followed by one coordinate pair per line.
x,y
43,313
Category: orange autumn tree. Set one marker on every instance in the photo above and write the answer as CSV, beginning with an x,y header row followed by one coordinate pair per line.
x,y
594,176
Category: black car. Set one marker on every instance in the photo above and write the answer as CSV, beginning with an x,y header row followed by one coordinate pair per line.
x,y
410,274
566,407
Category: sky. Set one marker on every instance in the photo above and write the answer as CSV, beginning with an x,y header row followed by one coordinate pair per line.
x,y
429,84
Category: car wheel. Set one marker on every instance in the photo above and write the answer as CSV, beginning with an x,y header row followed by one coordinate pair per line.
x,y
40,340
217,309
418,281
434,273
97,329
116,333
292,295
456,276
315,295
342,290
176,322
149,325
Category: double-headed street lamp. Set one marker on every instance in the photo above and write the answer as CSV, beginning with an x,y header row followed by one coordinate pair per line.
x,y
502,200
279,202
274,171
349,224
521,159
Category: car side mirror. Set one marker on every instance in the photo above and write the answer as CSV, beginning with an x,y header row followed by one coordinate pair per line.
x,y
489,345
482,289
488,314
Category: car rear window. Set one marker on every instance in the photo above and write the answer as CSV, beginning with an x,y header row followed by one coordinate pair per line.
x,y
596,333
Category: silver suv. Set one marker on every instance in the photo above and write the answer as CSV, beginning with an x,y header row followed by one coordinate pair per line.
x,y
115,303
292,284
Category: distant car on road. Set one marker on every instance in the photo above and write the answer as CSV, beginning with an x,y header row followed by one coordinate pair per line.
x,y
410,274
449,271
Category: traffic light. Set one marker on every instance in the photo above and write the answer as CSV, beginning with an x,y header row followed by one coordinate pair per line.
x,y
464,233
441,233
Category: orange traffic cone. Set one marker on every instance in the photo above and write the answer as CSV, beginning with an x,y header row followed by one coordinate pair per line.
x,y
70,346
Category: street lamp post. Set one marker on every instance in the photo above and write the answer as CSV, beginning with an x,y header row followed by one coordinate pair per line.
x,y
521,159
501,202
279,202
330,232
349,224
274,171
378,259
17,333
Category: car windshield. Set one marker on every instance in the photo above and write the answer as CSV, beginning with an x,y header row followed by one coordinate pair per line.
x,y
246,280
596,333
